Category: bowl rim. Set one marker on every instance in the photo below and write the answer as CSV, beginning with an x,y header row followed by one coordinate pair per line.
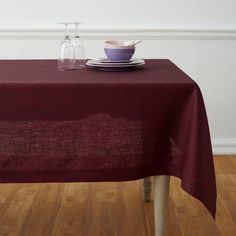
x,y
120,48
119,44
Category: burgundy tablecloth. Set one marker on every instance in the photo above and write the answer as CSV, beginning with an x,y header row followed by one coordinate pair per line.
x,y
90,125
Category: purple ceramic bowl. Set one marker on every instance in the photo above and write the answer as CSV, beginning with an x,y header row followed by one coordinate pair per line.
x,y
118,50
119,54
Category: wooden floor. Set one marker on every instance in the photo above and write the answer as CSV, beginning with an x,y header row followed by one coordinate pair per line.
x,y
114,209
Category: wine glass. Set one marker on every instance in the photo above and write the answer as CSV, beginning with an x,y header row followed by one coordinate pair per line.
x,y
67,53
79,52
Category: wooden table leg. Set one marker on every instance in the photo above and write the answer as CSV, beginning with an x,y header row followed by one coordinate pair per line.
x,y
161,195
147,189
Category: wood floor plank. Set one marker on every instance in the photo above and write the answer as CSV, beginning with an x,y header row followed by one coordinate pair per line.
x,y
129,209
148,216
23,202
224,221
100,217
72,212
226,186
11,208
44,210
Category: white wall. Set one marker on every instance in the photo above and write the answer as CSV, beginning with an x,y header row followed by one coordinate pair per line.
x,y
198,35
152,13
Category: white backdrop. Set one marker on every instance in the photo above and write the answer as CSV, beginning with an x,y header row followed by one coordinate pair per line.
x,y
198,35
151,13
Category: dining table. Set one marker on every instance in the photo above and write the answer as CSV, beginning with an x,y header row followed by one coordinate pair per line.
x,y
89,125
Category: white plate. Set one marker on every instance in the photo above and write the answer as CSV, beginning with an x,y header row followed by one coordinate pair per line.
x,y
95,63
115,66
108,67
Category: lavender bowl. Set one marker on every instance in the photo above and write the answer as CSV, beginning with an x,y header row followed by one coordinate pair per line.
x,y
118,50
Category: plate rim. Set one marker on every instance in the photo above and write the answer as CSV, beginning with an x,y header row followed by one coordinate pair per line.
x,y
115,66
139,61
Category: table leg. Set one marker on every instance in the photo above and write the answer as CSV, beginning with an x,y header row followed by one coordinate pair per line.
x,y
161,194
147,189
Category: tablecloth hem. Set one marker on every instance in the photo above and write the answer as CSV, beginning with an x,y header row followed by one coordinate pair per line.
x,y
110,176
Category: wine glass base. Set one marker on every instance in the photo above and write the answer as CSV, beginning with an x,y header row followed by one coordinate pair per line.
x,y
65,69
79,66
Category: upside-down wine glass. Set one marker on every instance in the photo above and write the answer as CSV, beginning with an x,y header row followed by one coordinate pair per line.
x,y
67,53
79,52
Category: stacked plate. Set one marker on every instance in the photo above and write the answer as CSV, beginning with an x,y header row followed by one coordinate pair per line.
x,y
108,65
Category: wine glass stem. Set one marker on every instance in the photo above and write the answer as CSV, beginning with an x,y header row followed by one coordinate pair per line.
x,y
76,30
66,31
